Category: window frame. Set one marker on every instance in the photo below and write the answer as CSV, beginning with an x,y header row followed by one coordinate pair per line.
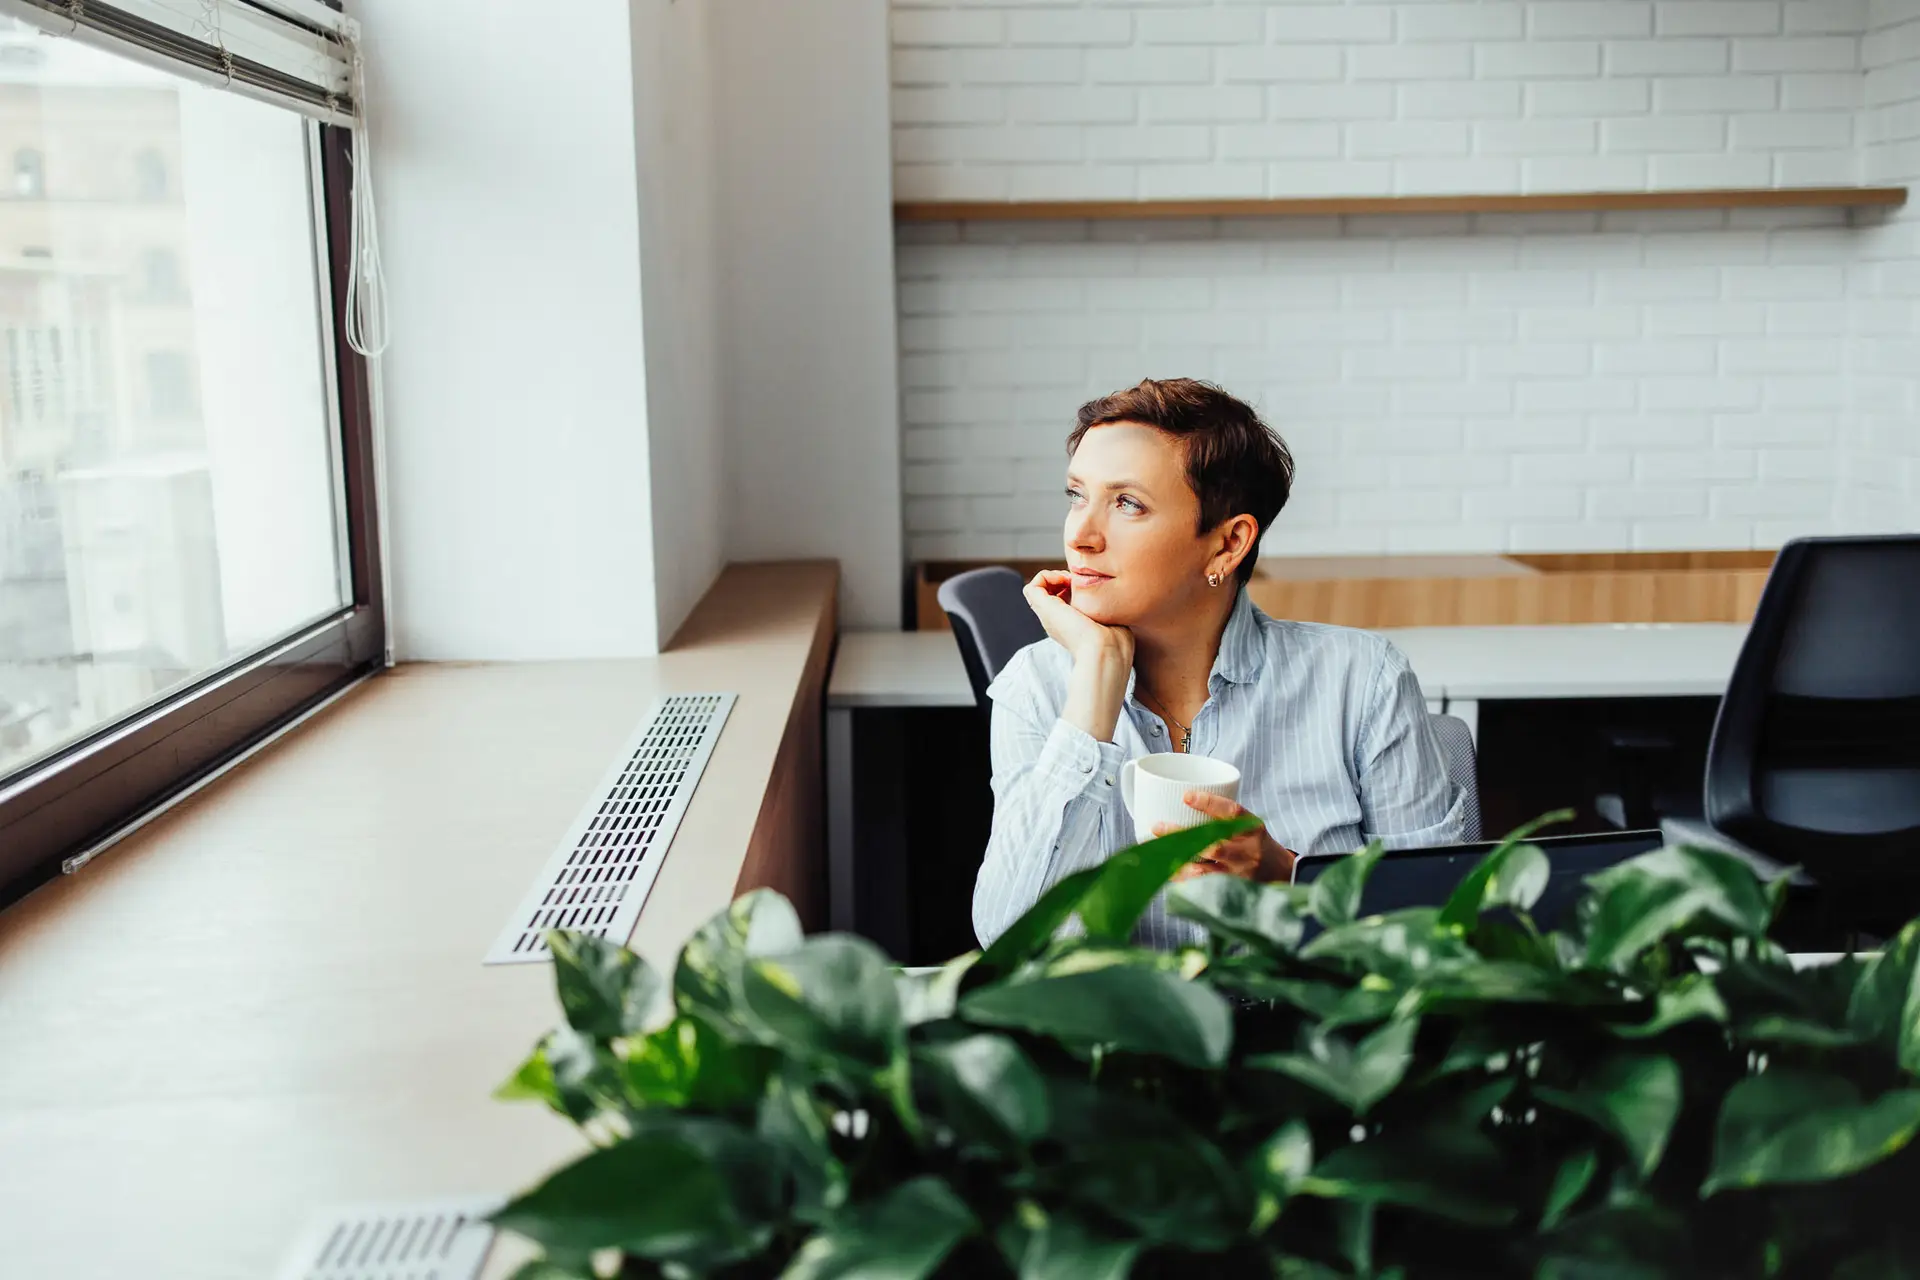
x,y
67,805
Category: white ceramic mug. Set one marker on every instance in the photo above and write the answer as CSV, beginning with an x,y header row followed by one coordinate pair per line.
x,y
1154,788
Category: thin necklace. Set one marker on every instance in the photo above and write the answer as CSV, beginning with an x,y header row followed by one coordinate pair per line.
x,y
1186,731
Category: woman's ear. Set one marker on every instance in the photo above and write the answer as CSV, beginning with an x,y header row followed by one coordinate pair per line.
x,y
1238,536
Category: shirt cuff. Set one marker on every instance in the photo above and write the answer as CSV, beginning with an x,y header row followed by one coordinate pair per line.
x,y
1446,831
1074,762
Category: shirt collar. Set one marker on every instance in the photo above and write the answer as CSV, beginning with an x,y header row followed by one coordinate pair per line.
x,y
1242,649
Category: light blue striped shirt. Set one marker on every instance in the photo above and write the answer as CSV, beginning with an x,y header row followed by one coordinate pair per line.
x,y
1326,724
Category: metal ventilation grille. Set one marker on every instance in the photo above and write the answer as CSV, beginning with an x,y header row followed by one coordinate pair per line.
x,y
437,1240
598,878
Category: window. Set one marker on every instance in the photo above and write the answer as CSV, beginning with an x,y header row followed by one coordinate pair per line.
x,y
160,279
187,550
150,174
29,174
169,385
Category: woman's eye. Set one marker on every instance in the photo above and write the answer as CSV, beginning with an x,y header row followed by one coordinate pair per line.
x,y
1073,495
1131,505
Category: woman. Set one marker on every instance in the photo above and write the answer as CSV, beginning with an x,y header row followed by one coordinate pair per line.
x,y
1154,646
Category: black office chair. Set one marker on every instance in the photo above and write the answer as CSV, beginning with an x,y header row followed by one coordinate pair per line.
x,y
1815,757
991,623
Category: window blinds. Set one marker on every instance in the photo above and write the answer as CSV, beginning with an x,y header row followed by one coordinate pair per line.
x,y
292,53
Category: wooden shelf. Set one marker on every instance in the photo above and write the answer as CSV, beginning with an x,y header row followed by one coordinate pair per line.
x,y
1334,206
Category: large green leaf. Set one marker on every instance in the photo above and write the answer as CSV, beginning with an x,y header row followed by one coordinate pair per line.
x,y
1400,947
831,996
989,1090
681,1188
532,1081
1452,1173
1885,1005
1063,1245
584,1073
1142,1010
1128,880
1357,1075
1457,984
929,997
1274,1168
1667,892
1514,874
1236,910
1791,1126
1028,936
605,989
794,1124
706,980
1335,898
687,1063
1692,998
1635,1097
1570,1182
903,1235
1324,1000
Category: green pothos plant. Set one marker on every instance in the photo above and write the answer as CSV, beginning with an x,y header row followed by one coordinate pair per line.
x,y
1654,1091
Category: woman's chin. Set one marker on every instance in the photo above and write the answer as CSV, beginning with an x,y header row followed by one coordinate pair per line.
x,y
1105,612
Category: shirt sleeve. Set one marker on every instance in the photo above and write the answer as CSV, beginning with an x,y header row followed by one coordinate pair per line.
x,y
1407,800
1050,786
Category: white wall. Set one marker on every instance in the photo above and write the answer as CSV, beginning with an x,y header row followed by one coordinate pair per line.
x,y
1562,382
643,313
674,146
1092,99
1882,493
519,466
808,376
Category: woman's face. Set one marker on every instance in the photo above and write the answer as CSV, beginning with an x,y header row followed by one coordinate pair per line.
x,y
1131,521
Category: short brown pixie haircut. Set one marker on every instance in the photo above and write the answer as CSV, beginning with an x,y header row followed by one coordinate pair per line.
x,y
1237,464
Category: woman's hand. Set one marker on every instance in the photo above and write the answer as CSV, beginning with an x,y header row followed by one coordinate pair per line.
x,y
1102,655
1251,855
1050,596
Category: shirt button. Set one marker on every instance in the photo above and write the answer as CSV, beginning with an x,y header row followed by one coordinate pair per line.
x,y
1154,729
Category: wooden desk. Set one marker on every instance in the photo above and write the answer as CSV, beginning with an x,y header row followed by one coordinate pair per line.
x,y
272,999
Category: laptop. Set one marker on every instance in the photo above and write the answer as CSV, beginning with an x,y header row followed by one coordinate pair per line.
x,y
1425,877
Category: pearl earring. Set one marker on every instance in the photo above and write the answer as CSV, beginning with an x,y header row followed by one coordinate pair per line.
x,y
1213,579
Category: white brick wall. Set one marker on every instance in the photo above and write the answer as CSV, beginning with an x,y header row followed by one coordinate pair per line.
x,y
1880,487
1755,79
1446,384
1677,380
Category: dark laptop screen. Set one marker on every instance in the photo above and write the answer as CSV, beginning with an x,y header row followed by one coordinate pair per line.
x,y
1424,877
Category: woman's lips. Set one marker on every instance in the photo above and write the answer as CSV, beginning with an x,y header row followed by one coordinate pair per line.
x,y
1085,578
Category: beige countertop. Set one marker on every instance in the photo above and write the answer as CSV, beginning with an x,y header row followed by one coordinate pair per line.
x,y
272,998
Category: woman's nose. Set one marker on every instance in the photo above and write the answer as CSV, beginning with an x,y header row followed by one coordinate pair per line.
x,y
1083,531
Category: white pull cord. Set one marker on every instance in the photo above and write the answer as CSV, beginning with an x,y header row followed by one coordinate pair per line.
x,y
366,324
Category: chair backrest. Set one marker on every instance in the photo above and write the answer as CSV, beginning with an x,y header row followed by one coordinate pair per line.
x,y
1456,748
1815,757
991,621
